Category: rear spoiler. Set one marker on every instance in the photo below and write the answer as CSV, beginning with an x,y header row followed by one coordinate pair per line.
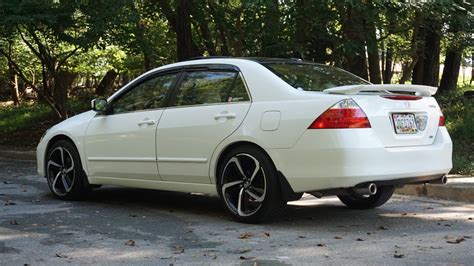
x,y
419,90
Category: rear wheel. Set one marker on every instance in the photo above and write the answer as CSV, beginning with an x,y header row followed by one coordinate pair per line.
x,y
368,202
248,185
66,178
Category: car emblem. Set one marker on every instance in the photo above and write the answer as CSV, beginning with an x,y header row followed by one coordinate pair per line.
x,y
421,121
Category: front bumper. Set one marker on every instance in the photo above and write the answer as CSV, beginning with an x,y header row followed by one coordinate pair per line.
x,y
328,159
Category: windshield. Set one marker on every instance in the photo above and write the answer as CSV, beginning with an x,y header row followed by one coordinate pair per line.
x,y
313,77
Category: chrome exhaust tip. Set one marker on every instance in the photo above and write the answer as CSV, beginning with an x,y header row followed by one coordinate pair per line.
x,y
370,189
441,181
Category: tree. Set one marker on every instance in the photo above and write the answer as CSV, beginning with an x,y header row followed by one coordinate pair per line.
x,y
459,33
53,32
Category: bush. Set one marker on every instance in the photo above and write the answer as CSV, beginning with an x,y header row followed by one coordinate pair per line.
x,y
459,114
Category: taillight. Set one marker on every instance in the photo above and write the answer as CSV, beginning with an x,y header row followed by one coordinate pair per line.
x,y
441,121
401,97
344,114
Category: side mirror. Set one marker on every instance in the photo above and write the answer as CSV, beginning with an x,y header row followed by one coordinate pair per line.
x,y
99,105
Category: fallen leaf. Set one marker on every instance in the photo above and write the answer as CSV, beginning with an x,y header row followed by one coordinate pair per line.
x,y
9,202
429,208
242,251
432,247
360,239
320,245
338,237
447,225
470,218
13,222
178,249
266,234
133,215
130,243
60,255
246,235
382,228
398,256
456,240
211,255
301,237
246,258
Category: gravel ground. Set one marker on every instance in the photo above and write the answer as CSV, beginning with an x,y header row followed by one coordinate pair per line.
x,y
125,226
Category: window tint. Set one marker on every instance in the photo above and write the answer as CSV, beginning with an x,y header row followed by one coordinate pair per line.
x,y
313,77
149,94
207,87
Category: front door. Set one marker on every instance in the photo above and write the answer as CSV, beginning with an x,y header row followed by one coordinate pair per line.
x,y
121,143
207,106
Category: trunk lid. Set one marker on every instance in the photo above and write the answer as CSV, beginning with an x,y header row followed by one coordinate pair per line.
x,y
399,119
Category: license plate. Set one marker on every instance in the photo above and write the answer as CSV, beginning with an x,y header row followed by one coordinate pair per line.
x,y
404,123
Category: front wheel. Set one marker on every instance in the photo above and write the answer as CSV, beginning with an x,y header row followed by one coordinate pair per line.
x,y
248,184
354,201
66,179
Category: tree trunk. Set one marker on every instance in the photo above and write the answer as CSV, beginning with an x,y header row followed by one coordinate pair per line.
x,y
221,29
431,58
105,85
452,64
355,59
184,38
387,74
407,70
13,84
62,84
472,69
373,55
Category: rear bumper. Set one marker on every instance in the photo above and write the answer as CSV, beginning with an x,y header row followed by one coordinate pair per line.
x,y
327,159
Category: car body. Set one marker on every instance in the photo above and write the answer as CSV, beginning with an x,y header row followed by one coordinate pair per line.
x,y
177,141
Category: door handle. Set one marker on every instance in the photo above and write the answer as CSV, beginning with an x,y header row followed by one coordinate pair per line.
x,y
225,115
146,121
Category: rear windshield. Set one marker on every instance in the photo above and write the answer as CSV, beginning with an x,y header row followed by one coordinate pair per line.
x,y
313,77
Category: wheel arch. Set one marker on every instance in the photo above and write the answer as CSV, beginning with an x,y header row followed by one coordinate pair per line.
x,y
57,138
287,191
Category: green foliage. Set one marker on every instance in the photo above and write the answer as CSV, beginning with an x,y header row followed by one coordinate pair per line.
x,y
21,117
459,114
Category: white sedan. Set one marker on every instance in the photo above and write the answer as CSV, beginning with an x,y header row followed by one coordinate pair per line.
x,y
258,132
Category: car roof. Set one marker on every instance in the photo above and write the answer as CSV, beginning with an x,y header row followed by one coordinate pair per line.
x,y
261,60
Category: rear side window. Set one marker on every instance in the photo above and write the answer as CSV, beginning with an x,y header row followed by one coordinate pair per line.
x,y
210,87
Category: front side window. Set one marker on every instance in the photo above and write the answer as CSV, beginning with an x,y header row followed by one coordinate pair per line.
x,y
209,87
149,94
313,77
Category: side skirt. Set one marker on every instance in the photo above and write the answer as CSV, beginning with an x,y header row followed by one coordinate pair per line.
x,y
209,189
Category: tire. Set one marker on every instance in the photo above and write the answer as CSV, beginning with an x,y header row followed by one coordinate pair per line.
x,y
65,175
255,186
368,202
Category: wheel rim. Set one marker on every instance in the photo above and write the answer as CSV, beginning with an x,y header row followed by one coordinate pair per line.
x,y
61,173
244,184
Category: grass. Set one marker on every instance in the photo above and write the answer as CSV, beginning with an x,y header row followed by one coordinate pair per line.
x,y
23,125
459,114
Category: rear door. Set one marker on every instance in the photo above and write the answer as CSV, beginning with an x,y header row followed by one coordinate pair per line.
x,y
208,105
401,120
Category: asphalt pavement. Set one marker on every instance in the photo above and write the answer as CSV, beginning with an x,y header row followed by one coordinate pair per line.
x,y
125,226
